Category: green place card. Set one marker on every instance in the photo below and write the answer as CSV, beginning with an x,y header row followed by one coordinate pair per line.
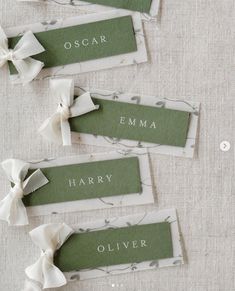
x,y
134,122
135,5
133,244
87,181
84,42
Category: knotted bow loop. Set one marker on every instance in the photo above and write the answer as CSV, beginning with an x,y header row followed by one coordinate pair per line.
x,y
16,170
17,191
57,128
63,90
64,111
49,238
20,56
12,208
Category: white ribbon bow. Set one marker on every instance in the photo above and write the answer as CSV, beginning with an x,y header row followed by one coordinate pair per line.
x,y
31,286
20,56
57,128
12,208
49,238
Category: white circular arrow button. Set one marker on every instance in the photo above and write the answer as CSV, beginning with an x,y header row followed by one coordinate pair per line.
x,y
225,146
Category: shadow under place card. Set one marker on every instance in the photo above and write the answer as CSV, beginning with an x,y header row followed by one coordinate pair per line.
x,y
131,121
86,182
146,7
112,246
85,43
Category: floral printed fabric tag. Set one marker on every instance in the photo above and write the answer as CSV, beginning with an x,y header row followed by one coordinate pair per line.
x,y
121,245
85,43
146,7
91,182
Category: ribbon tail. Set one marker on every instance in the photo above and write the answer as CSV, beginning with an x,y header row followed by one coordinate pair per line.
x,y
3,40
3,47
34,272
34,182
18,213
28,69
53,277
31,286
66,133
51,129
13,211
46,273
82,105
27,46
5,208
2,62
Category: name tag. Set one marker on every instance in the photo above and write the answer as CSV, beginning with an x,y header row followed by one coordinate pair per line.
x,y
121,245
116,246
85,43
161,125
134,122
92,182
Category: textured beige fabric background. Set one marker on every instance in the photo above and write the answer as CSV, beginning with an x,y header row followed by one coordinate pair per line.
x,y
191,57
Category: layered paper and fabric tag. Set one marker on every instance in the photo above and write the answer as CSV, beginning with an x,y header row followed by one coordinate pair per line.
x,y
161,125
136,122
84,43
146,7
92,182
111,246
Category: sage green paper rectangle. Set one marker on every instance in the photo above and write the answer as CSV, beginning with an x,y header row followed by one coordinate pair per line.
x,y
135,5
134,122
87,180
90,41
133,244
